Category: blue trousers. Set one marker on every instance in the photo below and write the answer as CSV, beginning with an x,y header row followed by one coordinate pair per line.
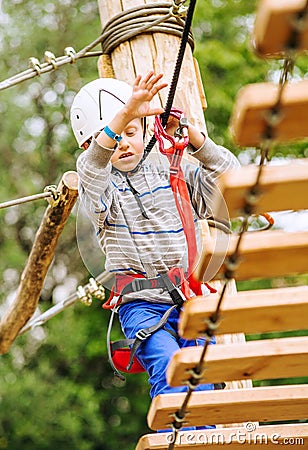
x,y
156,351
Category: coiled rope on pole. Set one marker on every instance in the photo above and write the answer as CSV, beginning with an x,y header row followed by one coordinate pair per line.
x,y
156,17
159,17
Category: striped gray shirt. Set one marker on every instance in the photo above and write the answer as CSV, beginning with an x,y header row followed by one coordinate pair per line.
x,y
131,242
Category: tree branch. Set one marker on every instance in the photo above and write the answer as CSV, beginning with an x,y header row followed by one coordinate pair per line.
x,y
40,258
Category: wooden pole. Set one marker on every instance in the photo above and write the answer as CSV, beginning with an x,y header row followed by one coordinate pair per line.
x,y
158,51
39,260
155,51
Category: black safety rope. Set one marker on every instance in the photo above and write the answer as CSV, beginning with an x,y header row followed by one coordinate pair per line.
x,y
176,73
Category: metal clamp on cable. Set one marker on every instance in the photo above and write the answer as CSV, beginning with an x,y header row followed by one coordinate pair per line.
x,y
178,421
178,9
70,51
195,378
50,59
211,327
35,65
96,289
84,297
54,194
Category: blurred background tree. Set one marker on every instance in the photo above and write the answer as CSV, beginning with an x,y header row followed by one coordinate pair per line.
x,y
57,388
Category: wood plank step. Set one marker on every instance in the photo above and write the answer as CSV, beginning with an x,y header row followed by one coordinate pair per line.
x,y
281,188
263,404
263,254
235,438
274,24
254,103
255,360
258,311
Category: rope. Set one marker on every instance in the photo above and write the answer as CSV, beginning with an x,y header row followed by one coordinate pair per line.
x,y
37,68
233,260
158,17
115,33
49,191
92,289
299,24
176,73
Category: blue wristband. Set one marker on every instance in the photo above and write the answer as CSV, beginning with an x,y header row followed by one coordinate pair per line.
x,y
112,134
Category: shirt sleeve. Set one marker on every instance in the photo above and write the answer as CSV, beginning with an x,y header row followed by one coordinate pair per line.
x,y
94,170
202,179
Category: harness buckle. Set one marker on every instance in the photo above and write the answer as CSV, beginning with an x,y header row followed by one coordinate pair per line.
x,y
142,334
138,284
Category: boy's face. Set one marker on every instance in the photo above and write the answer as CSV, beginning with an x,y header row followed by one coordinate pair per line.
x,y
130,149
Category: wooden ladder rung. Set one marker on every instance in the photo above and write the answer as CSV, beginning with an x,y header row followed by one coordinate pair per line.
x,y
253,107
280,188
263,254
234,438
276,21
249,312
256,360
263,404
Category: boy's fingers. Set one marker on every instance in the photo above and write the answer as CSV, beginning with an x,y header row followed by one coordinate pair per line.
x,y
161,86
155,112
137,80
148,76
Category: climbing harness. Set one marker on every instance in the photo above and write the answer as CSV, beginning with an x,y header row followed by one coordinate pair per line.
x,y
174,281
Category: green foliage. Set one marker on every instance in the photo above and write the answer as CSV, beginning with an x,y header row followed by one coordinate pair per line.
x,y
57,388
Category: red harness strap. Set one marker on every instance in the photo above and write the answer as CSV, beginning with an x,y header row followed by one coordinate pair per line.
x,y
179,187
176,275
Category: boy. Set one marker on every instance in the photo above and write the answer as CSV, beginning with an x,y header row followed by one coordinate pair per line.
x,y
132,206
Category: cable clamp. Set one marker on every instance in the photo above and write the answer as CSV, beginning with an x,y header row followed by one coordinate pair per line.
x,y
50,58
84,297
70,52
232,263
299,21
54,195
212,325
195,378
178,421
178,9
273,117
96,289
35,65
52,188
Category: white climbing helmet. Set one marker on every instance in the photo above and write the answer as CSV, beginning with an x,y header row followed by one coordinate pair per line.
x,y
95,105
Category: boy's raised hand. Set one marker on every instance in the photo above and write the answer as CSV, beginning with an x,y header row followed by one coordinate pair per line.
x,y
144,89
